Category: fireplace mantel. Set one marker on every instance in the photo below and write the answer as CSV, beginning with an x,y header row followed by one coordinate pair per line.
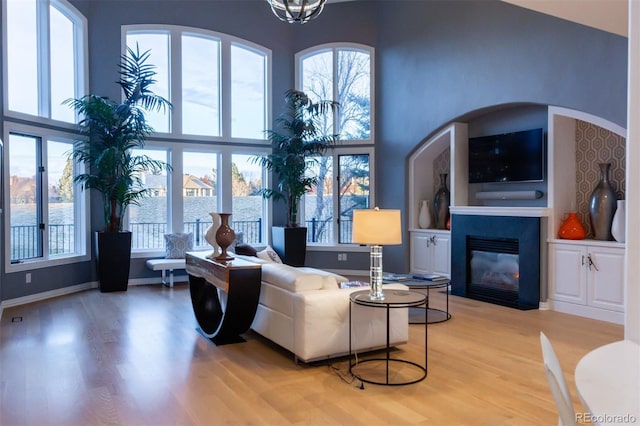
x,y
501,211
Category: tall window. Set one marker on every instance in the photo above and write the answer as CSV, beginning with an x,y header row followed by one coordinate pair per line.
x,y
352,192
248,205
148,220
45,57
216,83
199,192
45,209
341,72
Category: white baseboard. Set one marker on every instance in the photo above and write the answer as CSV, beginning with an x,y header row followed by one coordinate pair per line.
x,y
588,311
46,295
544,306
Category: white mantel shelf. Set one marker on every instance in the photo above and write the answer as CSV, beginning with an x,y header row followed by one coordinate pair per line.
x,y
502,211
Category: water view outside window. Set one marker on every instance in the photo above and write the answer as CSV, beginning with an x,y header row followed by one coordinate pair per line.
x,y
148,221
354,190
200,85
60,199
24,210
248,208
199,193
158,44
318,203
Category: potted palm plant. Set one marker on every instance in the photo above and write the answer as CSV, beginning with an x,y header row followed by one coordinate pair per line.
x,y
301,138
111,131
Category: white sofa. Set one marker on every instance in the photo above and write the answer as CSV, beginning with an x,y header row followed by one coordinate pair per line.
x,y
304,311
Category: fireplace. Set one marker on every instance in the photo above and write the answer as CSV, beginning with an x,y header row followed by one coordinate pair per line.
x,y
496,259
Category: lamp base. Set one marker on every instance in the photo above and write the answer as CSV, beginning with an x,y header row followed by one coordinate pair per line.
x,y
375,274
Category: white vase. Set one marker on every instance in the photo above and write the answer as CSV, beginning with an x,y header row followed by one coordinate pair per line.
x,y
424,216
618,224
210,235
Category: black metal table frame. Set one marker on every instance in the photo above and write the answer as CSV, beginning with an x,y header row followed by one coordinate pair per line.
x,y
427,285
388,305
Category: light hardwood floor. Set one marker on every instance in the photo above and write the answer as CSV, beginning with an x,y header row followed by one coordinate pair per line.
x,y
135,358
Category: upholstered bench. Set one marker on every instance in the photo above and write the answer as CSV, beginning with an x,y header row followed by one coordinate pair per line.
x,y
165,265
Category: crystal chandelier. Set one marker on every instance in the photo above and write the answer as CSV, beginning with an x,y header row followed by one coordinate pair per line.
x,y
296,11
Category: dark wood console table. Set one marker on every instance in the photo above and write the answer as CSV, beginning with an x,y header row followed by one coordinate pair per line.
x,y
223,323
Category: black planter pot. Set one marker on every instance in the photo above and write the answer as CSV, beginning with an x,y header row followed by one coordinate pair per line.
x,y
290,244
113,253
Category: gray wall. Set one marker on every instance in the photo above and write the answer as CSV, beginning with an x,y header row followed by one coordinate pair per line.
x,y
436,61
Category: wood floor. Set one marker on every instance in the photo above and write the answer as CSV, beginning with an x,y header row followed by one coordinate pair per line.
x,y
135,358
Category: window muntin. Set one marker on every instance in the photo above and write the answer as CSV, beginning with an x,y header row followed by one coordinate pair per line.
x,y
46,211
45,56
199,193
200,85
342,73
248,205
148,221
226,98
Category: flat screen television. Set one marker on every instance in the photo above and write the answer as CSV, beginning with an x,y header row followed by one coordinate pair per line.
x,y
507,157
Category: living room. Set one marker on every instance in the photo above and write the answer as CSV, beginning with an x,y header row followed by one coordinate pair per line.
x,y
435,62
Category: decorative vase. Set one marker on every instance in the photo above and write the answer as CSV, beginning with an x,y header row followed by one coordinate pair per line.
x,y
571,228
210,235
424,217
602,205
224,237
441,203
618,225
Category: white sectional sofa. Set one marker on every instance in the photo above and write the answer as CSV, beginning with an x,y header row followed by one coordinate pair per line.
x,y
304,311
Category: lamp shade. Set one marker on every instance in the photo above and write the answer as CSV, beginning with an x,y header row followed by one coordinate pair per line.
x,y
377,227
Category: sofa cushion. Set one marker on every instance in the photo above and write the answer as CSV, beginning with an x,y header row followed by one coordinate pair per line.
x,y
339,278
245,249
269,254
177,245
294,280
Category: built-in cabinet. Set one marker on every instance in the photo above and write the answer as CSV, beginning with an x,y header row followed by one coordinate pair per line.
x,y
431,252
566,284
587,278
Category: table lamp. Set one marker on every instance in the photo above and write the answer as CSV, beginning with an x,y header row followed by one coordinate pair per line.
x,y
376,228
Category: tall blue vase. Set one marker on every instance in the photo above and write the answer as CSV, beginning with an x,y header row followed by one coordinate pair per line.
x,y
602,205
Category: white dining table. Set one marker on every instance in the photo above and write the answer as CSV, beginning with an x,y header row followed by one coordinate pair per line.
x,y
608,384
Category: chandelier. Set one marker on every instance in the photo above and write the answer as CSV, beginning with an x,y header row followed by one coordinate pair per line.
x,y
296,11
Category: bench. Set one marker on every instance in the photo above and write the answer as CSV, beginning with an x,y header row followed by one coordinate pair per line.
x,y
165,265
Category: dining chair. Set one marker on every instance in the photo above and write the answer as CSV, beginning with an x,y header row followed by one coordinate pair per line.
x,y
559,388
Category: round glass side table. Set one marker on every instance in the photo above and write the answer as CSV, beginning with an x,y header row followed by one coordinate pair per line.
x,y
393,299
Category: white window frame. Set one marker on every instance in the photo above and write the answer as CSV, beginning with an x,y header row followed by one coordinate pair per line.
x,y
175,79
44,58
335,47
334,154
81,211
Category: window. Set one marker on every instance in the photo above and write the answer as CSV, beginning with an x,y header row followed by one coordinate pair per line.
x,y
352,192
343,73
45,208
148,220
217,84
37,31
248,206
199,193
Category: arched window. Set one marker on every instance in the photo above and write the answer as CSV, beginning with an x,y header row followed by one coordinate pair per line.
x,y
341,72
218,84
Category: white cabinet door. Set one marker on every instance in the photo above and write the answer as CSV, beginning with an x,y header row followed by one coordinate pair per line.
x,y
420,252
569,273
605,288
441,248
